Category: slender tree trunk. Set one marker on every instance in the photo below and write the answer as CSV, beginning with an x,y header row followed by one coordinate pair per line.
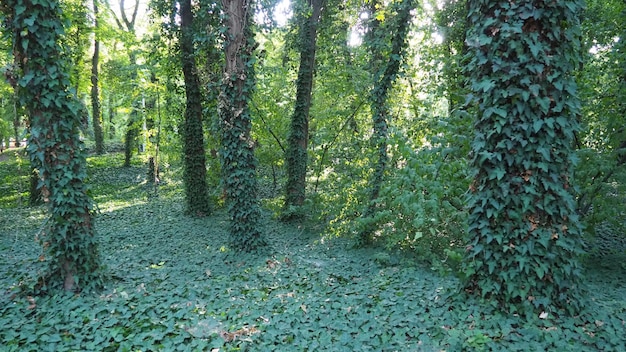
x,y
111,116
133,123
95,90
54,144
196,189
16,121
384,77
34,192
237,154
296,157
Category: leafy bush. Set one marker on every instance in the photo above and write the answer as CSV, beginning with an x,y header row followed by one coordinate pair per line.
x,y
601,200
420,207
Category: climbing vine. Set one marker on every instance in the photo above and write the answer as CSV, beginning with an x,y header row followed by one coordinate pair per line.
x,y
524,234
41,77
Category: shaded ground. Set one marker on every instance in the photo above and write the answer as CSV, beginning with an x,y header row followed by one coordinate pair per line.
x,y
173,285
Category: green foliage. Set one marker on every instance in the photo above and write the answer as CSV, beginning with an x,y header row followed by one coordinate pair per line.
x,y
14,178
55,149
601,194
420,209
175,286
600,175
524,233
420,206
386,57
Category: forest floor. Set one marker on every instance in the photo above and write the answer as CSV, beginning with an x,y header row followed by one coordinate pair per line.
x,y
4,155
174,285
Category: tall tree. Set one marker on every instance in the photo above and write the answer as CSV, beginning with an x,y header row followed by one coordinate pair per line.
x,y
385,65
127,24
237,152
296,154
524,234
196,190
54,145
95,89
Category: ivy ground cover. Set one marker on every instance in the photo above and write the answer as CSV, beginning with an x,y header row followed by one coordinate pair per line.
x,y
174,285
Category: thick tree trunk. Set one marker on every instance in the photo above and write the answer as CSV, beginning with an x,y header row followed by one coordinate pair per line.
x,y
54,144
196,190
95,90
296,156
523,228
237,153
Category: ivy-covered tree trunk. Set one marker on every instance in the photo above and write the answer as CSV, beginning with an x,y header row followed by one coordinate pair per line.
x,y
237,153
620,48
296,153
34,192
54,146
95,89
524,234
384,71
133,123
196,190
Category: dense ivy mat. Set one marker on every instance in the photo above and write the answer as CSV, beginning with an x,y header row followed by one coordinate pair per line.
x,y
173,284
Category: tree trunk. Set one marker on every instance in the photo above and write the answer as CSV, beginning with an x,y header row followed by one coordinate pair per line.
x,y
133,123
16,122
296,157
111,116
54,144
237,154
34,192
95,90
523,228
196,189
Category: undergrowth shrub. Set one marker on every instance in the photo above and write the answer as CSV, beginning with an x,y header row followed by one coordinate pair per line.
x,y
420,206
601,201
